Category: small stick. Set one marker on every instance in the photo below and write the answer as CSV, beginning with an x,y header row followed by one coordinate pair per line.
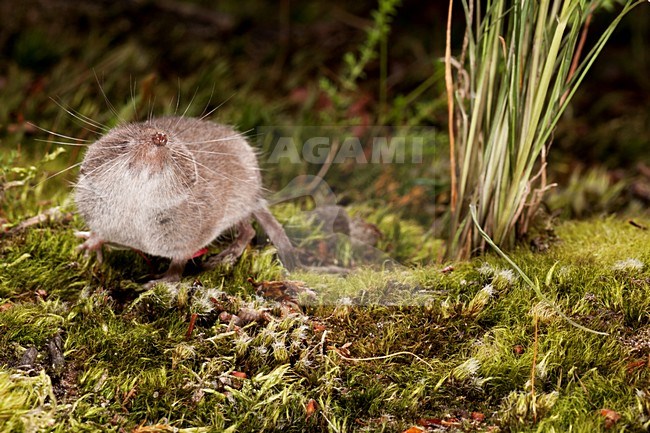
x,y
637,225
49,215
449,84
190,328
377,358
581,45
533,368
324,169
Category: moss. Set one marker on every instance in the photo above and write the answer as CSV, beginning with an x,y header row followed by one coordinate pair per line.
x,y
375,349
26,403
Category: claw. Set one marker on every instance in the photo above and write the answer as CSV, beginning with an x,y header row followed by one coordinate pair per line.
x,y
230,255
172,275
93,244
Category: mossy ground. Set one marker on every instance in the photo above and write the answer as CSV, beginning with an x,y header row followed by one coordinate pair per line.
x,y
376,350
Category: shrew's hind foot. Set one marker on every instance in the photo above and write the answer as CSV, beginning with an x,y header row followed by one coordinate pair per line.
x,y
172,275
245,233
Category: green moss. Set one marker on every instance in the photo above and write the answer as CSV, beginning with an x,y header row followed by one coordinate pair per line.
x,y
375,349
26,403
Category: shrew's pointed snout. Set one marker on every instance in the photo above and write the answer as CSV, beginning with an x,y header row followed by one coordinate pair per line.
x,y
159,139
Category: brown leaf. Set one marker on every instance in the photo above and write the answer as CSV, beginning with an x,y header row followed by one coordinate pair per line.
x,y
631,366
6,306
451,422
478,416
190,327
248,315
239,374
611,417
343,350
129,395
281,291
413,430
429,422
318,327
447,269
311,408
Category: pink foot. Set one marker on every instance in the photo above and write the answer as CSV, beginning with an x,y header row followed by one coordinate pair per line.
x,y
93,244
173,274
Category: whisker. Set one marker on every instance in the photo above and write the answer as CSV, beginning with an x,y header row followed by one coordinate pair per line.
x,y
217,140
56,133
108,102
203,117
132,89
209,152
178,96
84,119
152,105
61,142
58,173
121,159
189,105
223,175
208,103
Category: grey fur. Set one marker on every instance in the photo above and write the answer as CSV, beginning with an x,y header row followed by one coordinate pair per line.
x,y
169,186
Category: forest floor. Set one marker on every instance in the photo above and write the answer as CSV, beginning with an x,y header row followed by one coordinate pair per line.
x,y
461,347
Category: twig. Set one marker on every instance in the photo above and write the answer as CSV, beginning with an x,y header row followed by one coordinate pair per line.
x,y
392,355
49,215
578,53
190,328
534,366
324,169
637,225
449,84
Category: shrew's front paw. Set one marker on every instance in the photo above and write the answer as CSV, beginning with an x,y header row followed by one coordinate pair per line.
x,y
93,244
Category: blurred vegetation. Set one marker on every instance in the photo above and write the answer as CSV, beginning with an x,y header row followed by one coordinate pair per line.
x,y
258,64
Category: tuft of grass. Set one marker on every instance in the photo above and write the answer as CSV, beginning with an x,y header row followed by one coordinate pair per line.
x,y
515,78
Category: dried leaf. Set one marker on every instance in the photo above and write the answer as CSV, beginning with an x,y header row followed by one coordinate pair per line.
x,y
248,315
343,350
311,408
611,417
451,422
129,395
413,430
158,428
631,366
429,422
239,374
478,416
190,328
282,291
